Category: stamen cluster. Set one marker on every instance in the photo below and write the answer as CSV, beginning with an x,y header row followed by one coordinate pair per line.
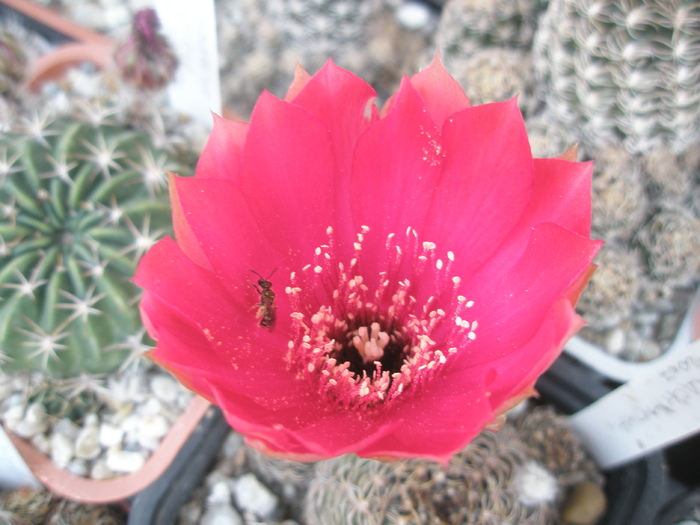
x,y
365,348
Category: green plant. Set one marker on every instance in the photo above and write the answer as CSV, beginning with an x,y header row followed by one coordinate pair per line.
x,y
79,205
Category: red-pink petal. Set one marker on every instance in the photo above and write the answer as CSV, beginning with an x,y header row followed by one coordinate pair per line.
x,y
511,298
442,94
344,103
222,154
301,78
486,184
288,183
183,233
397,164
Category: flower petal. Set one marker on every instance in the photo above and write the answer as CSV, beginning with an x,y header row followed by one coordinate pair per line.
x,y
301,78
222,154
231,240
486,184
343,102
397,164
442,94
183,233
511,299
288,182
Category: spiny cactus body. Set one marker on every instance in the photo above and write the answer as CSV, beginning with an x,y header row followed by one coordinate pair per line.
x,y
623,70
486,484
614,287
79,204
467,26
671,240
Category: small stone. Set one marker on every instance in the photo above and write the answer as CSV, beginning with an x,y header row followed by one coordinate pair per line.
x,y
110,435
66,427
12,416
254,497
124,461
615,341
42,443
100,470
154,427
78,467
219,509
61,449
87,444
221,515
413,15
585,505
164,388
34,422
152,407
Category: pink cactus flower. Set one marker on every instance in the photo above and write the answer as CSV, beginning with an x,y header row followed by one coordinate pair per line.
x,y
385,282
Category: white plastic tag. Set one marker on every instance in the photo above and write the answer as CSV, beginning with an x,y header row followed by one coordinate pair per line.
x,y
191,29
648,413
14,472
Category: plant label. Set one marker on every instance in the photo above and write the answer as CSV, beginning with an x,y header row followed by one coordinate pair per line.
x,y
645,414
190,27
14,472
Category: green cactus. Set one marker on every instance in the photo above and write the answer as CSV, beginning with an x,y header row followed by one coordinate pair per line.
x,y
79,205
623,70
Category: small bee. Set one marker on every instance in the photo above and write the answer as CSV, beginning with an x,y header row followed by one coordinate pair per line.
x,y
266,310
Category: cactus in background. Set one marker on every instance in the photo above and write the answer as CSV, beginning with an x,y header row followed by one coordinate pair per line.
x,y
614,288
486,46
79,205
619,201
517,475
671,240
467,26
623,70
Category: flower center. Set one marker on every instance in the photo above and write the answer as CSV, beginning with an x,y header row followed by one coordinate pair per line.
x,y
365,348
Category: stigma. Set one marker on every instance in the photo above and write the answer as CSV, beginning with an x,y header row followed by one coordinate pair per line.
x,y
363,347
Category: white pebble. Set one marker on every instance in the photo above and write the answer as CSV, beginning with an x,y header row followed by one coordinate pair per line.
x,y
219,509
110,435
78,467
42,443
615,342
100,470
87,444
413,15
165,388
254,497
152,407
221,515
534,485
124,461
66,427
154,427
61,449
34,422
13,416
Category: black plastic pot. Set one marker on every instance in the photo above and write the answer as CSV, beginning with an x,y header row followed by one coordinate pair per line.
x,y
160,503
635,491
679,508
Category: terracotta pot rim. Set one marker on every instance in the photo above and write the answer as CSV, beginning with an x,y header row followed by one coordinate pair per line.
x,y
84,490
